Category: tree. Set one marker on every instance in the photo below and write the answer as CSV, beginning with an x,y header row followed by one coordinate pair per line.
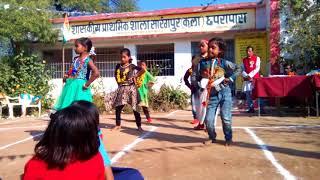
x,y
79,5
123,5
301,42
26,21
23,73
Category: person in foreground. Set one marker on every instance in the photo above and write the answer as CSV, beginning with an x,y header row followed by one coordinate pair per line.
x,y
69,149
219,94
91,111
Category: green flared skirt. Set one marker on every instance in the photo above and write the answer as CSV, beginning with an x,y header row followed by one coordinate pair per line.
x,y
72,91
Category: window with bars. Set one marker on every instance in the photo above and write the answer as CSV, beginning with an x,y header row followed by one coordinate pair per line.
x,y
54,61
106,61
159,58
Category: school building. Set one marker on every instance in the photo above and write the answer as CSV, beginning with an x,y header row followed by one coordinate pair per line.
x,y
167,39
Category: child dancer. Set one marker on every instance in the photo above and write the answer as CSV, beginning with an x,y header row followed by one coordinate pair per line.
x,y
201,93
144,82
193,73
127,90
219,94
69,148
78,78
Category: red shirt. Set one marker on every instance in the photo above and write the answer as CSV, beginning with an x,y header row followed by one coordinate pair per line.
x,y
92,169
249,64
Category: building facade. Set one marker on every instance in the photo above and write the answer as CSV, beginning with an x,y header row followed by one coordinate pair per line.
x,y
167,39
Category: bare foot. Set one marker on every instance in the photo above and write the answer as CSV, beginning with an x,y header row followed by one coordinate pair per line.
x,y
116,128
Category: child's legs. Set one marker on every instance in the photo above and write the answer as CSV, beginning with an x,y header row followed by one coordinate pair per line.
x,y
137,117
118,115
193,105
210,116
146,112
249,99
226,115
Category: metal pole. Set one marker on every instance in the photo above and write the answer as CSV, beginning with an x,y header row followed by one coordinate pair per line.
x,y
259,107
317,102
63,60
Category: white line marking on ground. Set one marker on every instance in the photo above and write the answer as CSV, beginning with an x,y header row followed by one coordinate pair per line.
x,y
277,127
11,121
285,173
23,127
128,147
172,113
21,141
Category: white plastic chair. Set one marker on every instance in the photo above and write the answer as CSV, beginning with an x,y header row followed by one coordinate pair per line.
x,y
11,102
30,103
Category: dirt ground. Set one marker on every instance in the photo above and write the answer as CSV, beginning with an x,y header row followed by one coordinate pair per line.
x,y
264,148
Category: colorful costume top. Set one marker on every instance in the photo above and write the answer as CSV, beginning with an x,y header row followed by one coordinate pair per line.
x,y
142,83
124,74
79,69
221,66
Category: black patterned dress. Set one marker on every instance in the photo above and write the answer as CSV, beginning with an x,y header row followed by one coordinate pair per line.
x,y
127,91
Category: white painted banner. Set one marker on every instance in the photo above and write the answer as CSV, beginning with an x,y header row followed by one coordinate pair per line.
x,y
196,22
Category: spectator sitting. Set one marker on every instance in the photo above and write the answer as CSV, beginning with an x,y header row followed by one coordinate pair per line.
x,y
68,149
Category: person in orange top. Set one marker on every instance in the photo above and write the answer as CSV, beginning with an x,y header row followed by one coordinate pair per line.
x,y
288,70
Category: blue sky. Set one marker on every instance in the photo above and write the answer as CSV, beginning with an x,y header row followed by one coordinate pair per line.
x,y
146,5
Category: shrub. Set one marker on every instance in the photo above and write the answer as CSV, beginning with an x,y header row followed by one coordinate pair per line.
x,y
168,98
25,74
22,73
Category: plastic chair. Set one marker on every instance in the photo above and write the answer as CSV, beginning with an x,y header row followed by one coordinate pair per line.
x,y
30,101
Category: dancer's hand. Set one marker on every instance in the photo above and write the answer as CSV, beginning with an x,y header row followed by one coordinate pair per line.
x,y
85,87
210,83
226,81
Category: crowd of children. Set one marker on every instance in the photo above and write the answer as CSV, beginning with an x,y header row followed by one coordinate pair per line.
x,y
72,147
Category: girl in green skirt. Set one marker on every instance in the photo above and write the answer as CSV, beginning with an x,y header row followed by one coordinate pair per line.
x,y
144,82
79,77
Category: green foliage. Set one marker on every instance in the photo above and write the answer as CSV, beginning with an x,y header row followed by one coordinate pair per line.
x,y
168,98
28,21
123,5
79,5
30,24
47,102
155,71
98,100
302,25
98,5
24,74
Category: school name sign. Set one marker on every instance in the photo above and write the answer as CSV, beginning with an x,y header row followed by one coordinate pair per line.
x,y
204,22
